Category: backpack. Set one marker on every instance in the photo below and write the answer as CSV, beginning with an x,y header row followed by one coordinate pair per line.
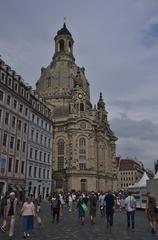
x,y
94,201
55,203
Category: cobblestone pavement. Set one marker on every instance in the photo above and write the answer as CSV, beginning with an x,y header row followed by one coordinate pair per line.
x,y
69,228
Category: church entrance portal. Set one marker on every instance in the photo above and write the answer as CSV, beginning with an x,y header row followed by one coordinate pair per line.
x,y
83,185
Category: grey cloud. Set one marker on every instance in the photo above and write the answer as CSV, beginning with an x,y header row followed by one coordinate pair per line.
x,y
145,151
127,128
108,42
134,103
150,36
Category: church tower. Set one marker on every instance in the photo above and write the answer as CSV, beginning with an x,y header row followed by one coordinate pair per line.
x,y
84,144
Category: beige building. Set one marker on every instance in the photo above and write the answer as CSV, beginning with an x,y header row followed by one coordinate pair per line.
x,y
83,145
130,172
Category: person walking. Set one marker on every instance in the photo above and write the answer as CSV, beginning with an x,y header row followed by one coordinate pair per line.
x,y
62,203
151,212
70,201
130,206
102,203
92,207
55,205
3,204
110,204
10,214
28,213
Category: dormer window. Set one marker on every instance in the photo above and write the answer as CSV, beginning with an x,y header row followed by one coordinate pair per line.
x,y
3,77
16,87
22,91
27,95
10,82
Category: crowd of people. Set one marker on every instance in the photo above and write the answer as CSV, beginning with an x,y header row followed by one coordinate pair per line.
x,y
107,203
82,202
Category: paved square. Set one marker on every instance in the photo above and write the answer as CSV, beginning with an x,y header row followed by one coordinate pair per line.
x,y
69,228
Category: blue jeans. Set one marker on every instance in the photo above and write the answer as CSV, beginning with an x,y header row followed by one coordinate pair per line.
x,y
130,217
27,223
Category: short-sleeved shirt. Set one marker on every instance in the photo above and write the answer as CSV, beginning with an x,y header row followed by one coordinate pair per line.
x,y
101,199
110,201
130,202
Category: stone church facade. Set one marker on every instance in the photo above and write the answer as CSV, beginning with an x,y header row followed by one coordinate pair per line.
x,y
83,143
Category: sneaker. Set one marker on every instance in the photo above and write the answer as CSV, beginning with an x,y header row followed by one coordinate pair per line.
x,y
28,235
3,229
153,231
24,235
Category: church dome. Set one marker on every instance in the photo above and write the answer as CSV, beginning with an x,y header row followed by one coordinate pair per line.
x,y
64,31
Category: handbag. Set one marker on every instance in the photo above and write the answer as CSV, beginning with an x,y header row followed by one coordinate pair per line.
x,y
84,206
39,221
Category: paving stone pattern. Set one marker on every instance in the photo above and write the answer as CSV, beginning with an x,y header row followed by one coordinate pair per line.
x,y
69,229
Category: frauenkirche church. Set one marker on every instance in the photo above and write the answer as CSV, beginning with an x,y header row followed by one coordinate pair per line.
x,y
83,143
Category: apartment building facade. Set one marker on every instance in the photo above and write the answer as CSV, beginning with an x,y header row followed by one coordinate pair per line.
x,y
17,106
39,167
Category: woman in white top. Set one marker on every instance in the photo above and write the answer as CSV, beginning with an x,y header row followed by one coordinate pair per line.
x,y
28,213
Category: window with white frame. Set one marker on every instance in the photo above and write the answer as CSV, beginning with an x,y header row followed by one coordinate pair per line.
x,y
5,136
6,121
1,95
16,166
11,142
18,145
13,121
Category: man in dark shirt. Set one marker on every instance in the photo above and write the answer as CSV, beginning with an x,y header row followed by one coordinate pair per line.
x,y
110,203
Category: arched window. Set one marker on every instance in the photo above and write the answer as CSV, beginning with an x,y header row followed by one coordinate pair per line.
x,y
82,153
49,82
69,46
61,45
82,107
61,150
71,82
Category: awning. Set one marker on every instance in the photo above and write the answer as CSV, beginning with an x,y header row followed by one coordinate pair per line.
x,y
13,187
19,188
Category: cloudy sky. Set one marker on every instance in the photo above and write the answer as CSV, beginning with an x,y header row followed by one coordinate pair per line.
x,y
115,40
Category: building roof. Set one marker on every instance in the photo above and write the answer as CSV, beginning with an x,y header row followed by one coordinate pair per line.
x,y
156,175
141,183
64,31
128,164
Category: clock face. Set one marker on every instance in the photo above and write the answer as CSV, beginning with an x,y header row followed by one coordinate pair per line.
x,y
80,95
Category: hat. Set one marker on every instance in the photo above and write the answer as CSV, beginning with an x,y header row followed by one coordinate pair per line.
x,y
12,194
